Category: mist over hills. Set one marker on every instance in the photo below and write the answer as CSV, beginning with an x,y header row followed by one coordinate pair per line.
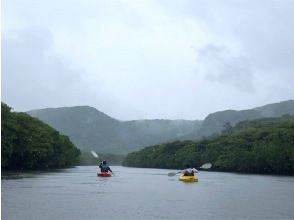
x,y
91,129
214,122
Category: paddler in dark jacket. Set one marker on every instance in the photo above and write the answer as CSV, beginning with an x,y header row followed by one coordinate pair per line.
x,y
104,167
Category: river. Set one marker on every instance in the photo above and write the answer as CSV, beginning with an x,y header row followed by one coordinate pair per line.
x,y
137,193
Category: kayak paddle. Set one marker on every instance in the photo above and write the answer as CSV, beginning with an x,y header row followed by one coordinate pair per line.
x,y
204,166
94,154
173,173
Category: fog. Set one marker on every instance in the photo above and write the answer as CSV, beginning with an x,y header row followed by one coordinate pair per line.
x,y
147,59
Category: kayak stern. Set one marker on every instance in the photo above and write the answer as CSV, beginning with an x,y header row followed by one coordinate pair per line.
x,y
104,174
188,178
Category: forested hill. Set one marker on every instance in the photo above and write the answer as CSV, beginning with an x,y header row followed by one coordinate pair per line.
x,y
28,143
260,146
88,128
91,129
214,123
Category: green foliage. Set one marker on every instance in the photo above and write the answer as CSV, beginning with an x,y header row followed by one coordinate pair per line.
x,y
218,122
28,143
259,146
90,129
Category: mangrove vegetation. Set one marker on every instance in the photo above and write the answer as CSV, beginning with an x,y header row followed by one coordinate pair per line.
x,y
28,143
263,146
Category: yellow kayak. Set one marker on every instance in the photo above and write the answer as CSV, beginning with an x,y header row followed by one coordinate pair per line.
x,y
188,178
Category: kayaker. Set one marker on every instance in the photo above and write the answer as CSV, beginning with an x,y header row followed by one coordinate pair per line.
x,y
104,167
188,171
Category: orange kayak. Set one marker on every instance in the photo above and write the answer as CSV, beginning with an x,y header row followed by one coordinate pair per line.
x,y
104,174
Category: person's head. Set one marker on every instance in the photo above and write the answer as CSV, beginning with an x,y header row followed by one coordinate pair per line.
x,y
104,162
188,166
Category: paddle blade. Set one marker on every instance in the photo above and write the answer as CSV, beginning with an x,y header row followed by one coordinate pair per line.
x,y
172,174
195,170
94,154
206,166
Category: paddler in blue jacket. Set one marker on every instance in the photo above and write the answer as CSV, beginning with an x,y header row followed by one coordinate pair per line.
x,y
104,167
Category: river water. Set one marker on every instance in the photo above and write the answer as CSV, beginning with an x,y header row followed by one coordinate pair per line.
x,y
136,193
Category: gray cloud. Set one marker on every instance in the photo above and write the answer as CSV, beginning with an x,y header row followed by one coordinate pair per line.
x,y
34,76
137,59
219,65
261,30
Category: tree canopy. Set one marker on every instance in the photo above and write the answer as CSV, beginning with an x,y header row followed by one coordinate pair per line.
x,y
28,143
260,146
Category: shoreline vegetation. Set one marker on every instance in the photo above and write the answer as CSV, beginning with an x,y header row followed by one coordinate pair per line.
x,y
263,146
29,144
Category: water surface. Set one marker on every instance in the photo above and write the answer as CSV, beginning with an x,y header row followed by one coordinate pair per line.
x,y
135,193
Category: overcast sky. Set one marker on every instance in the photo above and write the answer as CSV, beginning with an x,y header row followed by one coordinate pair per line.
x,y
135,59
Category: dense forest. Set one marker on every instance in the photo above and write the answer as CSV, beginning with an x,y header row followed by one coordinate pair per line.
x,y
263,146
28,143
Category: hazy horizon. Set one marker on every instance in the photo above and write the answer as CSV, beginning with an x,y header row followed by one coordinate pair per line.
x,y
147,59
200,119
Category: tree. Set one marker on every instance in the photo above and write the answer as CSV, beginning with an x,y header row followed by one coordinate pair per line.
x,y
28,143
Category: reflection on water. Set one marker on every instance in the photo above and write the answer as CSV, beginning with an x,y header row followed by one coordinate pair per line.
x,y
133,193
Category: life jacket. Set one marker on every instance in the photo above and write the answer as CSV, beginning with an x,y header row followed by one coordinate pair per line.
x,y
188,172
104,168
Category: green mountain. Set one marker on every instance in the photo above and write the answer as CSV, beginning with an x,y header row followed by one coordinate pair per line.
x,y
277,109
214,123
88,128
91,129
